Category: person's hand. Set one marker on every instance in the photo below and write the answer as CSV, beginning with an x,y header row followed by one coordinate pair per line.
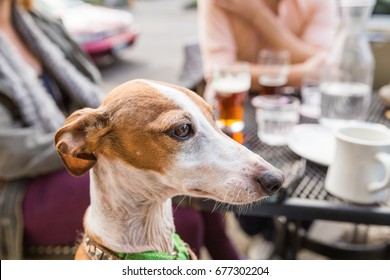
x,y
314,63
309,68
246,9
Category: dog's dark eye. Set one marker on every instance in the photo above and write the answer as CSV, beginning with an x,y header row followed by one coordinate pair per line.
x,y
182,132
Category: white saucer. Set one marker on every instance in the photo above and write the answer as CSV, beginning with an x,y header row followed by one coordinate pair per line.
x,y
313,142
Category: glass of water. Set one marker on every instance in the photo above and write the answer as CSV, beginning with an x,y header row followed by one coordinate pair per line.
x,y
311,97
276,115
343,102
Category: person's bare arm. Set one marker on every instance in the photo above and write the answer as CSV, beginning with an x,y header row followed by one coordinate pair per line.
x,y
296,73
277,36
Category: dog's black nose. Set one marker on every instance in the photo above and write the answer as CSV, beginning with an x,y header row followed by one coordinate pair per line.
x,y
271,181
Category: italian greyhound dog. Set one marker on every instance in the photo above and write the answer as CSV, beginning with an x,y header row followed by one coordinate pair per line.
x,y
147,142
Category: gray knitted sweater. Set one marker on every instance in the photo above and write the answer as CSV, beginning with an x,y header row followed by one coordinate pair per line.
x,y
26,145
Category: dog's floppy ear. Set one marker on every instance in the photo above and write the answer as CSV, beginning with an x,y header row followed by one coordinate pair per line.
x,y
78,140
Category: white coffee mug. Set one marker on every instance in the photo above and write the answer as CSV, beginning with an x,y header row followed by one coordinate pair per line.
x,y
360,172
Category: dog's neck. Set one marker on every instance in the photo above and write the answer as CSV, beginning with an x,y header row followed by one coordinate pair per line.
x,y
126,213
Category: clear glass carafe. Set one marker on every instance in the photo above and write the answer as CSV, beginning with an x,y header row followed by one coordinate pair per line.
x,y
347,76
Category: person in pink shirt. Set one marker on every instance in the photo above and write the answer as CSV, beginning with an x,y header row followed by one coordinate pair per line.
x,y
236,30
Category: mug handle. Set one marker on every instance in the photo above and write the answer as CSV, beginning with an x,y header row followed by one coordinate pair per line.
x,y
383,158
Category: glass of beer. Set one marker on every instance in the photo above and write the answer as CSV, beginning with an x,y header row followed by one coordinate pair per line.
x,y
274,70
231,84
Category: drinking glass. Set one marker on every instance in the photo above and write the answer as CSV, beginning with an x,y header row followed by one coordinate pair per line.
x,y
231,84
276,115
344,102
275,67
311,97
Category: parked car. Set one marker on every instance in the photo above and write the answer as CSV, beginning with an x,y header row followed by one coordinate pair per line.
x,y
99,30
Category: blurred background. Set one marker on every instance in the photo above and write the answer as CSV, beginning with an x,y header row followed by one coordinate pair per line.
x,y
129,39
146,38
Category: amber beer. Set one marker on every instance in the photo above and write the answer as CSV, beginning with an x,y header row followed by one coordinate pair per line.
x,y
231,111
272,85
275,68
231,84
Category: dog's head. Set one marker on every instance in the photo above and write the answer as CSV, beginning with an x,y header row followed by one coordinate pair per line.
x,y
166,136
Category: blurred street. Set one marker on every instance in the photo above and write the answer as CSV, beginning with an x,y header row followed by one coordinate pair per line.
x,y
165,26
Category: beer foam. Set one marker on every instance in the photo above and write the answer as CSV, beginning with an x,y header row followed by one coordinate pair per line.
x,y
232,84
273,81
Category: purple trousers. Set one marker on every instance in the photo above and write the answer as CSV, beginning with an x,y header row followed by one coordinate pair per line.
x,y
54,206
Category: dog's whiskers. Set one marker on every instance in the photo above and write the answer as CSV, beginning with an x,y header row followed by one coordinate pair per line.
x,y
180,202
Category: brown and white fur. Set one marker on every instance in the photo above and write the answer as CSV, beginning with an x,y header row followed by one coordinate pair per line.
x,y
138,163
